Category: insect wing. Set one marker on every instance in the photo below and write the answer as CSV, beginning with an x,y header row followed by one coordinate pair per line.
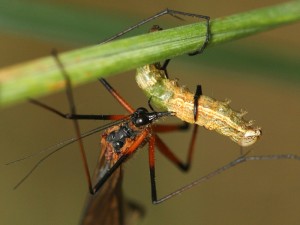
x,y
105,206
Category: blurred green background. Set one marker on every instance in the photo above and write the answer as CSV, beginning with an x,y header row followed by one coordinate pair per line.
x,y
259,73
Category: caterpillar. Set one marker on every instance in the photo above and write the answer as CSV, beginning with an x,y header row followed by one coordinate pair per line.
x,y
167,94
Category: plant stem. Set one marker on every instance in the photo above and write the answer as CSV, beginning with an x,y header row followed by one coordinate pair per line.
x,y
42,76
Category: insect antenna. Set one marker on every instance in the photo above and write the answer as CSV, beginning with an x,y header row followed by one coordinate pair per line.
x,y
61,145
72,115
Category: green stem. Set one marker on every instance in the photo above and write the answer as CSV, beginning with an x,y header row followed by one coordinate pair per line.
x,y
42,76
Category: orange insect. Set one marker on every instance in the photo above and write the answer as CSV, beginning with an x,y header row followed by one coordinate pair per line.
x,y
121,138
127,134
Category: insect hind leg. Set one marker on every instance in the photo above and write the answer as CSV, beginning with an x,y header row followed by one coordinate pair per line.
x,y
75,116
164,67
173,13
72,107
166,151
155,140
116,95
207,38
197,95
206,18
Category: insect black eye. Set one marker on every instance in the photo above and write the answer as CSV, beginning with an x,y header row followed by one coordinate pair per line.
x,y
141,110
140,117
141,120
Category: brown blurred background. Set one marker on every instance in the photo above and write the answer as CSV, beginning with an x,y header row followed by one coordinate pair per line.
x,y
259,73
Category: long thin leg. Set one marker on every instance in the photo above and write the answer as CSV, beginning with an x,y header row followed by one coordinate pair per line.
x,y
207,18
72,115
165,150
238,161
151,153
75,122
149,104
164,67
116,95
76,116
172,13
197,95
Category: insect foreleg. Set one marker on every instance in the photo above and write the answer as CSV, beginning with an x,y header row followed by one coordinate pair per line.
x,y
197,95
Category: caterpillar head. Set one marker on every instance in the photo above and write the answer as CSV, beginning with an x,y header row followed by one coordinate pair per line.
x,y
250,137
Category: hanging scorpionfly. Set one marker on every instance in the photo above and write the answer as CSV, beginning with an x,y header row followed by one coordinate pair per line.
x,y
128,133
120,140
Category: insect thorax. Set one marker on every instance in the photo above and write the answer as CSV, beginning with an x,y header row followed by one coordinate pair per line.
x,y
117,139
